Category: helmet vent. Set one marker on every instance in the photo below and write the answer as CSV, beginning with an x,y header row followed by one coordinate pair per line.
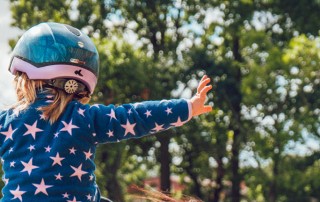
x,y
73,30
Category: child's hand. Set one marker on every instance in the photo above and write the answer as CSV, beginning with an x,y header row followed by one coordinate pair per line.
x,y
199,99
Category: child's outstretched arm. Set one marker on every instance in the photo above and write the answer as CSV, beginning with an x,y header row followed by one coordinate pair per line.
x,y
198,100
113,123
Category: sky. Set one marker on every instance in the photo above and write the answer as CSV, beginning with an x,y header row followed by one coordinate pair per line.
x,y
7,94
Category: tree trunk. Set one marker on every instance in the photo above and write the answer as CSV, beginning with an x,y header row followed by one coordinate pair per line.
x,y
275,172
235,125
113,186
220,175
165,161
196,189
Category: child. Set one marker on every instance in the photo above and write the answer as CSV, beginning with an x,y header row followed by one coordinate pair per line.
x,y
49,138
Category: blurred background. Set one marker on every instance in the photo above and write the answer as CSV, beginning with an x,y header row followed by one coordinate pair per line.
x,y
261,141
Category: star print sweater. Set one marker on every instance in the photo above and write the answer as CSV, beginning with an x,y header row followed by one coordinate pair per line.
x,y
43,162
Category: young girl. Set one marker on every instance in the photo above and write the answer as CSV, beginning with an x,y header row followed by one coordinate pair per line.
x,y
49,138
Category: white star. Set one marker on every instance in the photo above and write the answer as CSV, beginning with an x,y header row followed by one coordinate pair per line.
x,y
48,148
89,197
74,200
148,113
72,150
17,193
12,163
110,133
158,128
112,115
9,133
81,111
31,148
58,177
130,111
178,123
65,195
56,135
10,150
168,110
57,159
68,127
78,172
88,154
129,128
91,177
42,187
28,167
32,130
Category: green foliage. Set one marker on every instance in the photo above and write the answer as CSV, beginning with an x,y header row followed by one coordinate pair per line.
x,y
265,88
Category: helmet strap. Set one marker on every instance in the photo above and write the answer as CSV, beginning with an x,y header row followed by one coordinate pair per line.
x,y
70,86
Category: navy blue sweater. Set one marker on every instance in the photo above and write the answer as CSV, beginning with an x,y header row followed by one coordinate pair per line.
x,y
44,162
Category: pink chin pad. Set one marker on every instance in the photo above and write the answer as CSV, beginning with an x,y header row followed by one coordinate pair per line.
x,y
55,71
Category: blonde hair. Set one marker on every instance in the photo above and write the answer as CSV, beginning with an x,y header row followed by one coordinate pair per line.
x,y
26,90
157,196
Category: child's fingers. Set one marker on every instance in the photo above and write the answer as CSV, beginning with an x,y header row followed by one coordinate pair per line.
x,y
205,90
203,78
202,84
207,108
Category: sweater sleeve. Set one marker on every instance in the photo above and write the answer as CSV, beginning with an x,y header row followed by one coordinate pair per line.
x,y
111,123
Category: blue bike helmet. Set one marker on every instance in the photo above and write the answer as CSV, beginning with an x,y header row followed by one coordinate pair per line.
x,y
58,53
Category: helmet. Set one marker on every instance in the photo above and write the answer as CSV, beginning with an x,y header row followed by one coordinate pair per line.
x,y
58,53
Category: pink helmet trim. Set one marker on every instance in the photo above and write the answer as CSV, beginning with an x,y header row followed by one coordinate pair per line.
x,y
55,71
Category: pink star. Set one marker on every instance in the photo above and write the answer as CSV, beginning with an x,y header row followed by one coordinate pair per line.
x,y
81,112
91,177
168,110
28,167
112,115
32,130
42,117
158,128
68,127
129,128
48,148
88,154
110,133
74,200
58,177
31,148
178,123
57,159
17,193
65,195
72,150
42,187
89,197
9,133
12,163
78,172
148,113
